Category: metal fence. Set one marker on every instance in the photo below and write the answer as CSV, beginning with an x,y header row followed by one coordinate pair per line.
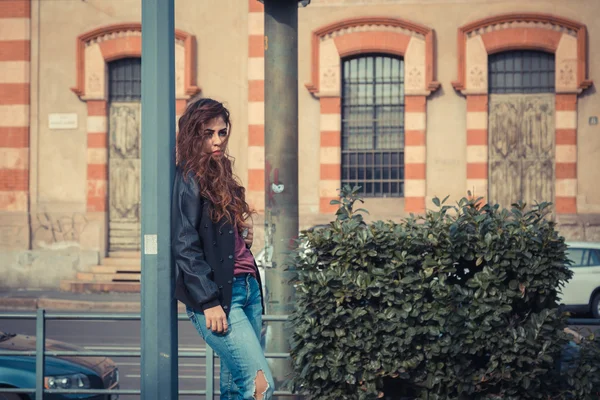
x,y
40,354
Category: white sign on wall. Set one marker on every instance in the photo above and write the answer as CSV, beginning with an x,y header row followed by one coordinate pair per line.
x,y
62,121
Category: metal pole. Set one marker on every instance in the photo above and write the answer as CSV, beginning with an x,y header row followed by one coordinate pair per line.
x,y
281,167
40,356
159,308
210,373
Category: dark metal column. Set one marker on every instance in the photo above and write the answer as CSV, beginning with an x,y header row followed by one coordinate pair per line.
x,y
281,166
159,308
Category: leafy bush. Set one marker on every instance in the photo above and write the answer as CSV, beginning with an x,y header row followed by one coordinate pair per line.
x,y
461,303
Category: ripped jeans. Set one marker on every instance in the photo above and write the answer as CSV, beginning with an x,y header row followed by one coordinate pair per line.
x,y
240,351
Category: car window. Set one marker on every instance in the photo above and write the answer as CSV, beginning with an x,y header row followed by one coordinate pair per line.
x,y
594,258
576,256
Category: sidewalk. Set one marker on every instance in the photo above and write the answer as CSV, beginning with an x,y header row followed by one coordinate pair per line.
x,y
55,300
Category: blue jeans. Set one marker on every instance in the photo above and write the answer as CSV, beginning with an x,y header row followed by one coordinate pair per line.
x,y
241,353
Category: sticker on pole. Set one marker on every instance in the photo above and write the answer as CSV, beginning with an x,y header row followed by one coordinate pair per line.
x,y
150,244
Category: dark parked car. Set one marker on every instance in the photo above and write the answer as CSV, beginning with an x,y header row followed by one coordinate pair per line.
x,y
61,372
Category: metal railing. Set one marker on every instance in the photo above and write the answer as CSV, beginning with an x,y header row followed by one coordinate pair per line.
x,y
40,353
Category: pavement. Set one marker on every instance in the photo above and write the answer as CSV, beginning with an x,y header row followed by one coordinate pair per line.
x,y
56,300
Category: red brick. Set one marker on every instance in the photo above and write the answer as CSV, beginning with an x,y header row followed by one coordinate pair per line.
x,y
14,137
15,50
256,135
256,90
415,104
414,204
414,171
331,105
14,180
331,172
15,8
331,138
14,93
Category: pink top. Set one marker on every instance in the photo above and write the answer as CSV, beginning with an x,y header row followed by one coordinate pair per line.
x,y
244,261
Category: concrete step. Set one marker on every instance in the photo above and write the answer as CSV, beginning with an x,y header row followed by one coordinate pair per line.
x,y
100,287
113,269
121,261
125,254
106,277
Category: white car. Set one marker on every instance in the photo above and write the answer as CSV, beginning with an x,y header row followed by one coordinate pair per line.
x,y
582,292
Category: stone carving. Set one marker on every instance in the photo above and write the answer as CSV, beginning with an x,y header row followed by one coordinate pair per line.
x,y
124,131
372,28
329,79
477,78
115,35
124,176
522,24
414,79
94,82
521,152
566,72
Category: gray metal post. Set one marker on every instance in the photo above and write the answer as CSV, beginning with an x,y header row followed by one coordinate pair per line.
x,y
159,308
40,355
281,166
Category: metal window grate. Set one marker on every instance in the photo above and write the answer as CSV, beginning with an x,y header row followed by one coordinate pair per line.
x,y
125,79
373,125
521,71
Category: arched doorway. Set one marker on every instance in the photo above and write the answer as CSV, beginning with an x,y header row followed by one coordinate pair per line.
x,y
521,127
124,144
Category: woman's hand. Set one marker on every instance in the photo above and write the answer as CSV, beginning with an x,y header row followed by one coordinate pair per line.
x,y
248,231
216,320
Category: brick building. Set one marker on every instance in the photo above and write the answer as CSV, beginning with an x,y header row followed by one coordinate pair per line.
x,y
410,98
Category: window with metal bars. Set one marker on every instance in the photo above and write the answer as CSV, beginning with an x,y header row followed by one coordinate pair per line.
x,y
373,124
125,79
521,71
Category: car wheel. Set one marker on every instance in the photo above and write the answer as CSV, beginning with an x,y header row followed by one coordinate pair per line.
x,y
596,306
9,396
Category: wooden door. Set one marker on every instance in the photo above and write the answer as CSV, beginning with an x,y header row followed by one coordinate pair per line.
x,y
124,176
521,148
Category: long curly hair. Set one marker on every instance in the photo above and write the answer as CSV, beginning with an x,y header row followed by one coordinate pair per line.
x,y
215,177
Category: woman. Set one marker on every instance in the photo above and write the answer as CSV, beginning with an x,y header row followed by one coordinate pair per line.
x,y
216,275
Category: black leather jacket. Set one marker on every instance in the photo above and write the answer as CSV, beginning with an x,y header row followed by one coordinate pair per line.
x,y
203,251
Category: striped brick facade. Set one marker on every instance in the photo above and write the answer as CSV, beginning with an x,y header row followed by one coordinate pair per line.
x,y
567,40
15,44
565,188
94,50
330,152
415,153
256,106
97,156
477,145
414,43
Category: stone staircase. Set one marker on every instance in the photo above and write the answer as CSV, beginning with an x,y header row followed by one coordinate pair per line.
x,y
119,272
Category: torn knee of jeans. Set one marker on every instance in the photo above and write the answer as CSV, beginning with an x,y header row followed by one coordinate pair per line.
x,y
260,385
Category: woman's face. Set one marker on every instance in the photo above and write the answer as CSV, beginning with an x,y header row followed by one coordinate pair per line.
x,y
215,137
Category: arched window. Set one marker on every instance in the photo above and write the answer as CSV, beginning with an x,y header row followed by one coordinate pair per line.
x,y
521,71
125,79
373,124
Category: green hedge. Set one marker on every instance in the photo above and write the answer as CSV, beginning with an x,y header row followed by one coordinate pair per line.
x,y
461,303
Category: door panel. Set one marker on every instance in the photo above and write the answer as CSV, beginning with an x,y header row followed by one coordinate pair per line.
x,y
521,148
124,176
